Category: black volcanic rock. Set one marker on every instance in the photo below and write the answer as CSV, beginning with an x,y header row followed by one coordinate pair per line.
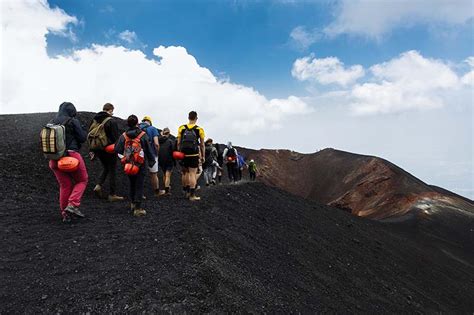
x,y
243,248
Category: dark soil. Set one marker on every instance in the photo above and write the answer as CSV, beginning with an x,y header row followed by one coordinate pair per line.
x,y
242,248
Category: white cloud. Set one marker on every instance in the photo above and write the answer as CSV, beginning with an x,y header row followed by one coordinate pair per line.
x,y
373,19
166,89
128,36
302,38
409,81
325,71
468,78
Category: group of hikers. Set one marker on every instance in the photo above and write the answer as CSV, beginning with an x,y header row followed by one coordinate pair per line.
x,y
142,146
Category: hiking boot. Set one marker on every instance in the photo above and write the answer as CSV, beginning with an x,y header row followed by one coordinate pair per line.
x,y
187,195
98,190
194,198
213,182
144,197
132,206
74,211
139,212
198,187
113,198
66,218
161,193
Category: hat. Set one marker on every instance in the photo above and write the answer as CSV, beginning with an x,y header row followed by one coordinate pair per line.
x,y
147,118
166,131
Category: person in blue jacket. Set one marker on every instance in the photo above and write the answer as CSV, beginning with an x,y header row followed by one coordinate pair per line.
x,y
240,165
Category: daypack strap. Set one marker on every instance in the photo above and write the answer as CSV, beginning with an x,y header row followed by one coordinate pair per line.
x,y
105,120
127,138
140,135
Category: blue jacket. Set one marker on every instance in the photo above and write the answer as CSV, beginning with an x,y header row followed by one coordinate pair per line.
x,y
151,132
240,160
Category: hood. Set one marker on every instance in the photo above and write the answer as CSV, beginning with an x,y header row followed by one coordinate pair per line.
x,y
67,109
133,132
100,116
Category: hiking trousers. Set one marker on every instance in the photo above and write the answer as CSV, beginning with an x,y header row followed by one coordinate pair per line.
x,y
109,167
136,187
208,174
71,185
252,175
232,171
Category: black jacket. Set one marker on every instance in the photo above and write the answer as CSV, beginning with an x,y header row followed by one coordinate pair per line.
x,y
111,127
75,133
133,133
167,146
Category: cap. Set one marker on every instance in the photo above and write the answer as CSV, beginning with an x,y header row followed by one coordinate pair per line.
x,y
147,118
166,131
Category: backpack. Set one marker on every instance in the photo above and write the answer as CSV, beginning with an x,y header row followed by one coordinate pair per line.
x,y
53,140
189,140
208,156
97,137
231,155
133,151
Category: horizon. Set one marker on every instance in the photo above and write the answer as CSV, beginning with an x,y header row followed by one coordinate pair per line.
x,y
297,75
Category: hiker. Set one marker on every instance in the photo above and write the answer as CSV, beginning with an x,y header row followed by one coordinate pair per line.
x,y
71,185
252,166
240,166
165,156
220,161
210,162
230,159
191,143
134,149
103,132
153,134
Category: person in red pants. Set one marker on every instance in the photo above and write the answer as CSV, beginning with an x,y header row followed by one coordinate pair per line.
x,y
71,185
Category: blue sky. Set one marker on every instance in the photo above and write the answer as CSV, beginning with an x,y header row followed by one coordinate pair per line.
x,y
248,41
393,79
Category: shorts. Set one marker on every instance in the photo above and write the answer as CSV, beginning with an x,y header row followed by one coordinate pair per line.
x,y
166,167
191,161
154,168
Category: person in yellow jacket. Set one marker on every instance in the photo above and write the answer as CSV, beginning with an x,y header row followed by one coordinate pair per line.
x,y
190,141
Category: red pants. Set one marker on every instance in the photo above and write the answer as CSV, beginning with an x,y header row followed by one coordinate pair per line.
x,y
71,185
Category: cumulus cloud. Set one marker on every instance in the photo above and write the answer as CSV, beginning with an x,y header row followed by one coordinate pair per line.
x,y
409,81
128,36
325,71
373,19
165,87
303,38
468,78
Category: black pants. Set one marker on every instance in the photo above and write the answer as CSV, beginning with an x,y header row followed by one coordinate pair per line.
x,y
239,173
252,175
232,171
136,187
109,166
